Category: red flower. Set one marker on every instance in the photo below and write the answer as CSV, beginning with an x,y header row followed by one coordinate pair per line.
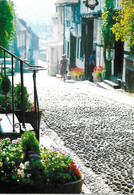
x,y
74,170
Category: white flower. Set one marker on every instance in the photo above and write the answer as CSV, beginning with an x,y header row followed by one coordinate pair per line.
x,y
22,166
7,158
19,172
26,163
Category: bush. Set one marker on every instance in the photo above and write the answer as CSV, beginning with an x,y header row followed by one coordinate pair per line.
x,y
17,98
5,84
30,143
3,106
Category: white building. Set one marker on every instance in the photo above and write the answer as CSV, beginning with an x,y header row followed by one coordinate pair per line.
x,y
55,44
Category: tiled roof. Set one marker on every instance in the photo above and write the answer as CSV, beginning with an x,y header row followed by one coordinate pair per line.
x,y
66,1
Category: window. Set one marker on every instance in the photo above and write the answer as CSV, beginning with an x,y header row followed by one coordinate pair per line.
x,y
81,49
62,16
52,55
77,48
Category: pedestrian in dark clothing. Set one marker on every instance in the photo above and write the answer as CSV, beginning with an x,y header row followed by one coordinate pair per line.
x,y
63,66
91,65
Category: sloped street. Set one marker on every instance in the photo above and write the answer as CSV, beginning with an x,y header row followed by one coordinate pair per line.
x,y
96,124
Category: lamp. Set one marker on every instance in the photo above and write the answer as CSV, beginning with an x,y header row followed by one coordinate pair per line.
x,y
91,6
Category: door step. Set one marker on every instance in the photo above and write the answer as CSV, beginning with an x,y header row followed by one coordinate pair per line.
x,y
6,124
109,85
112,84
104,86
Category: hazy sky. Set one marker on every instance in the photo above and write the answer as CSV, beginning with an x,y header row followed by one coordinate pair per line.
x,y
35,11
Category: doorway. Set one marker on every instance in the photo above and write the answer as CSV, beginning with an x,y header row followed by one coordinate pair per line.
x,y
118,62
72,51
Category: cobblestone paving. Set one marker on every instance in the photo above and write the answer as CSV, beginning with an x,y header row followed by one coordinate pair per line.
x,y
97,129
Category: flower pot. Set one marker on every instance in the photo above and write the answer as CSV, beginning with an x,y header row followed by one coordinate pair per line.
x,y
70,187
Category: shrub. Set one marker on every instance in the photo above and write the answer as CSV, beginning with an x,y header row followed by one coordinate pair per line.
x,y
17,98
3,106
30,143
5,84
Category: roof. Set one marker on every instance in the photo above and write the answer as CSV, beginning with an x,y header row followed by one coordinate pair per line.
x,y
67,1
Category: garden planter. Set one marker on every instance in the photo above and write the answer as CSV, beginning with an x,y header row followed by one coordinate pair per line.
x,y
29,117
71,187
99,79
26,167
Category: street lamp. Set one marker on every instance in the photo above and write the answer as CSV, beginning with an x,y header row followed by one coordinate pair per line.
x,y
93,5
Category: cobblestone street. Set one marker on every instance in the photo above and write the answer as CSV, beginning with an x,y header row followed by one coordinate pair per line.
x,y
94,124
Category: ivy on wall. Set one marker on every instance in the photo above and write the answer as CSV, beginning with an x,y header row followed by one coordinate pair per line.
x,y
108,12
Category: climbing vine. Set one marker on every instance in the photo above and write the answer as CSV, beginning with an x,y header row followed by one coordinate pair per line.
x,y
124,26
108,36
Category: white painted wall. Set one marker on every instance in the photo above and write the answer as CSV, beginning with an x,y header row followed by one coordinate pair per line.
x,y
55,44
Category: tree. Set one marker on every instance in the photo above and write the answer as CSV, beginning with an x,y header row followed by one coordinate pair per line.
x,y
124,26
6,22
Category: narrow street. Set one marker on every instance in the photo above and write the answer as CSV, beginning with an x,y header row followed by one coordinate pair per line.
x,y
96,124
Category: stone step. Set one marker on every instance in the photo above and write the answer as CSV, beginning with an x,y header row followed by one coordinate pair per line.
x,y
112,84
6,124
104,86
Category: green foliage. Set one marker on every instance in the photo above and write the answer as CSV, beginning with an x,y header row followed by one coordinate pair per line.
x,y
6,22
30,143
17,98
124,26
59,167
108,12
5,84
3,106
56,166
10,157
22,161
0,86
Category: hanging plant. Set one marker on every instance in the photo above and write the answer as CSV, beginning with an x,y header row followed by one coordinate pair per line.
x,y
124,26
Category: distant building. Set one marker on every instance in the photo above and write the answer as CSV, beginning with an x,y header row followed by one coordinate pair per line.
x,y
26,42
55,44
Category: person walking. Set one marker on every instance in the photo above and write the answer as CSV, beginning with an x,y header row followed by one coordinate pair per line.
x,y
63,67
91,65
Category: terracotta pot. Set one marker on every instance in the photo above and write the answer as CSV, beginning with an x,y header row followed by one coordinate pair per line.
x,y
71,187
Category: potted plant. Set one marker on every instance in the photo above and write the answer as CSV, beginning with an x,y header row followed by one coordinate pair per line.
x,y
25,167
98,73
77,73
28,106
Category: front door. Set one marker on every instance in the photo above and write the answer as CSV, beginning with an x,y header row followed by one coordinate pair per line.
x,y
118,62
72,51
